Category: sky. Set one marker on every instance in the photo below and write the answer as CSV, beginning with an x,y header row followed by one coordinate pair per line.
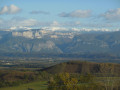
x,y
60,14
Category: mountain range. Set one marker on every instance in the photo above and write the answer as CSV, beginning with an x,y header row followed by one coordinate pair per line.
x,y
48,41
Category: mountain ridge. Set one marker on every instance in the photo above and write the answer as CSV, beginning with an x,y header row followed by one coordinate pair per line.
x,y
59,42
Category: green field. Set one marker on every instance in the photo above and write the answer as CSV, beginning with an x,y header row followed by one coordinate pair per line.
x,y
42,85
73,74
34,85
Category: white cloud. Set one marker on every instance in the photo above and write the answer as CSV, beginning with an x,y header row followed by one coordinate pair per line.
x,y
12,9
1,21
77,22
4,10
19,27
23,23
39,12
28,22
112,15
98,25
71,24
91,29
55,23
55,28
77,14
16,23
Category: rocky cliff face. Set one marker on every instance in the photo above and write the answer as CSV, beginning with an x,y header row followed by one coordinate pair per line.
x,y
41,34
27,34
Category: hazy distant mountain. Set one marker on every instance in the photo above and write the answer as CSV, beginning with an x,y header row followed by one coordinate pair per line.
x,y
47,41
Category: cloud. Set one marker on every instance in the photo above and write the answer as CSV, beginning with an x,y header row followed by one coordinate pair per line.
x,y
19,27
24,23
28,22
1,21
88,25
71,24
12,9
112,15
39,12
97,25
16,23
91,29
55,28
77,14
55,23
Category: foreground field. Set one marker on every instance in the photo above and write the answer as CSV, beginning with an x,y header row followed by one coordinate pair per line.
x,y
73,75
32,86
108,82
